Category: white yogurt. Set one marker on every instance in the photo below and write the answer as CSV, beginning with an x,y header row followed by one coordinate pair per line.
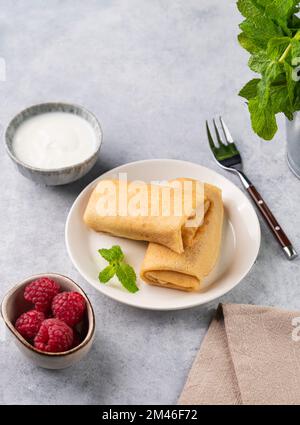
x,y
54,140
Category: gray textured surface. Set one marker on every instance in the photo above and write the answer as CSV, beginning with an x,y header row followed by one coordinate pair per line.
x,y
152,71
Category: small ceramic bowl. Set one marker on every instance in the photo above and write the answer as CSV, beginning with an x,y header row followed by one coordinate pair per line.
x,y
14,304
58,176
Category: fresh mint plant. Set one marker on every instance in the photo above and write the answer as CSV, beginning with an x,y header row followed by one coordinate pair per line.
x,y
117,266
271,34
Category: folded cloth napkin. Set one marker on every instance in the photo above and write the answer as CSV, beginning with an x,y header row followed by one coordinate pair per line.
x,y
250,355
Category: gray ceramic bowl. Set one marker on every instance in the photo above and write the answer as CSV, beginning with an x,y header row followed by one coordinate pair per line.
x,y
14,304
57,176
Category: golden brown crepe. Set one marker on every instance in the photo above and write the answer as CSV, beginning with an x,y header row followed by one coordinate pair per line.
x,y
163,267
157,220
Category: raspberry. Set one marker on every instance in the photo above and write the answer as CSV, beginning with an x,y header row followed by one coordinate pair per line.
x,y
41,293
29,323
54,336
69,307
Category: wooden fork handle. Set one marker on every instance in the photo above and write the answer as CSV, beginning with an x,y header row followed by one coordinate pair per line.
x,y
271,221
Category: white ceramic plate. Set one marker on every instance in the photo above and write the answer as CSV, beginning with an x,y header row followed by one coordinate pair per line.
x,y
240,243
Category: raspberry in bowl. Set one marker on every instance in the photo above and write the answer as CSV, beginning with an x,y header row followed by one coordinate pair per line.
x,y
51,320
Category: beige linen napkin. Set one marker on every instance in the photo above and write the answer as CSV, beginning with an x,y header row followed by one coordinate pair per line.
x,y
250,355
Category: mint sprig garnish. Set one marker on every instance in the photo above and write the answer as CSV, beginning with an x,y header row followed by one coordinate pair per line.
x,y
271,34
106,274
117,266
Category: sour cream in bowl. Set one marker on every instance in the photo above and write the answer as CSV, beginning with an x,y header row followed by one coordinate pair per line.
x,y
54,143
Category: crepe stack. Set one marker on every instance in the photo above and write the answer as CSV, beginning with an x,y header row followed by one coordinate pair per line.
x,y
151,217
186,271
178,256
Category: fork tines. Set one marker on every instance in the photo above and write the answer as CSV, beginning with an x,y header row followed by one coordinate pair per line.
x,y
224,147
226,132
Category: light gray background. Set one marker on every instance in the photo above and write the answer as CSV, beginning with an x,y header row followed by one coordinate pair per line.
x,y
152,71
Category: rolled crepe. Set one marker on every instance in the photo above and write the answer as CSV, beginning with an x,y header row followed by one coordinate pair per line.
x,y
163,267
152,212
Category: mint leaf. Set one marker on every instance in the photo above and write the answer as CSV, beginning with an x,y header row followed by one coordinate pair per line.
x,y
290,81
277,46
261,28
278,8
106,274
127,277
249,8
250,89
113,254
295,49
280,100
264,86
263,119
252,46
259,62
125,273
297,98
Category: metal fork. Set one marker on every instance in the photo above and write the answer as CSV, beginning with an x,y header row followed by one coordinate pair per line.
x,y
229,158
